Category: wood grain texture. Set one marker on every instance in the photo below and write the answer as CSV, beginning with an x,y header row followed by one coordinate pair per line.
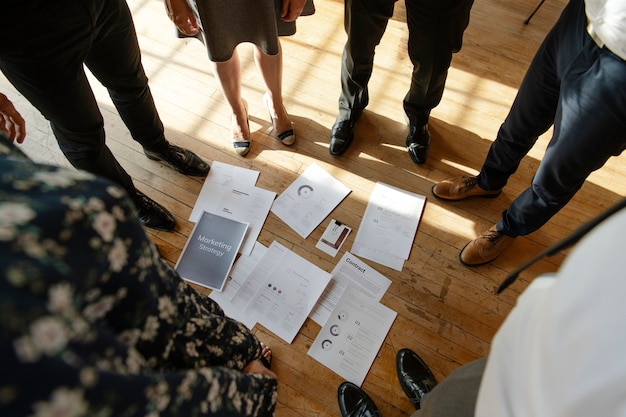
x,y
446,312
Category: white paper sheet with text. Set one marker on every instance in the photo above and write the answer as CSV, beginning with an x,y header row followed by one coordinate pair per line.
x,y
309,199
288,295
221,177
249,204
351,338
388,227
238,275
257,277
350,271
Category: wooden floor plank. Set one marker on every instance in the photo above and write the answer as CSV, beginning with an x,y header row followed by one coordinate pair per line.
x,y
446,312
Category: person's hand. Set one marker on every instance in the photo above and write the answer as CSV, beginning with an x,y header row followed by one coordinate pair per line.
x,y
182,15
291,9
11,121
257,367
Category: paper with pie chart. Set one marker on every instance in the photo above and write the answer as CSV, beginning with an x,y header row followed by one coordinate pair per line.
x,y
309,200
352,336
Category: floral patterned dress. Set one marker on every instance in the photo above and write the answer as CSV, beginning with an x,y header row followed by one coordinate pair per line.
x,y
94,323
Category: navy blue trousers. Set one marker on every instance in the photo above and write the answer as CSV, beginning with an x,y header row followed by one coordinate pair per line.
x,y
579,88
43,46
435,32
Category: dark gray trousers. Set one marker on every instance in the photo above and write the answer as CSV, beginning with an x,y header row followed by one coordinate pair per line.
x,y
577,86
435,31
456,395
45,64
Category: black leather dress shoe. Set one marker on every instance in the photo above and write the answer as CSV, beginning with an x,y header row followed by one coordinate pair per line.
x,y
341,137
354,402
152,214
181,160
418,143
415,376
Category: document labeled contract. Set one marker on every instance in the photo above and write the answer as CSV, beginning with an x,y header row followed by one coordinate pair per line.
x,y
350,271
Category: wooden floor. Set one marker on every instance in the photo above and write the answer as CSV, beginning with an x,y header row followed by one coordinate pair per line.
x,y
446,312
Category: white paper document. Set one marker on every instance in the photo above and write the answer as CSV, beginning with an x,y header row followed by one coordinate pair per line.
x,y
238,275
221,177
350,271
229,191
257,276
250,204
290,290
388,227
309,199
351,338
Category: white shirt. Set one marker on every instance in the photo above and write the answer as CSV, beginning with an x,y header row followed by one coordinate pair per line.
x,y
561,352
607,24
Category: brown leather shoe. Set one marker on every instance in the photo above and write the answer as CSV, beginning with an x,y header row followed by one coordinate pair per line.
x,y
485,248
460,188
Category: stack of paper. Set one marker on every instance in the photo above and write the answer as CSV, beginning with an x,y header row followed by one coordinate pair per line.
x,y
279,292
229,191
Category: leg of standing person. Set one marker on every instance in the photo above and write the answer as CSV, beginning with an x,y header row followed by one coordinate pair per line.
x,y
577,84
435,32
365,22
46,66
271,69
228,75
115,60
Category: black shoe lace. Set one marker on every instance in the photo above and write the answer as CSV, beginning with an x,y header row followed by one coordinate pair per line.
x,y
469,183
493,236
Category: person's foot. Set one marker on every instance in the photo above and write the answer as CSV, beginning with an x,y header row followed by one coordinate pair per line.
x,y
417,143
266,356
240,130
181,160
485,248
354,402
151,214
341,136
416,378
282,125
460,188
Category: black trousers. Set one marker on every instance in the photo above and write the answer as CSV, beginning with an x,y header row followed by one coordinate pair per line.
x,y
44,47
580,88
435,32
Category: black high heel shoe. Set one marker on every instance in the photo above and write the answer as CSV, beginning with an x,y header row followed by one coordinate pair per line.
x,y
288,137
